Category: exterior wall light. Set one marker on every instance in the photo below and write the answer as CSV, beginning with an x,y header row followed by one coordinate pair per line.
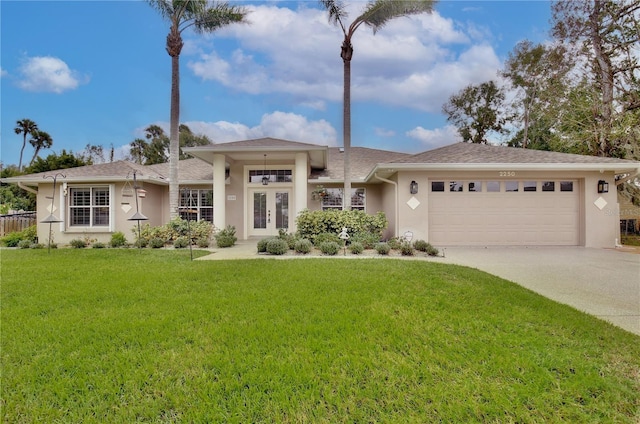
x,y
603,186
413,187
265,177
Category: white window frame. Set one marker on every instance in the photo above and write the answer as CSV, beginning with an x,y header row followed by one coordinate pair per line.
x,y
91,226
196,193
354,191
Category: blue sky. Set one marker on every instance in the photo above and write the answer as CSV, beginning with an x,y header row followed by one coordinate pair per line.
x,y
96,72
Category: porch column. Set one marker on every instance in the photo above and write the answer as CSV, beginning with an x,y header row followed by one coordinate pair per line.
x,y
219,194
300,185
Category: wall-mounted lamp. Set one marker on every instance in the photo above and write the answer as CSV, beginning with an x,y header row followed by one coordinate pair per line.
x,y
265,177
603,186
413,187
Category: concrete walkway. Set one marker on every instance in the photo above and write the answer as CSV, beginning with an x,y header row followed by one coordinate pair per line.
x,y
600,282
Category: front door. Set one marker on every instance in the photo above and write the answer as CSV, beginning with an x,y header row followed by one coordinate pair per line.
x,y
269,211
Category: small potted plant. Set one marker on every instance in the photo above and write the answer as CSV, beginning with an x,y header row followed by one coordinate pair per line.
x,y
319,193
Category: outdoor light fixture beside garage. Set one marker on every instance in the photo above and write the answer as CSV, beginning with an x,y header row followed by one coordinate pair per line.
x,y
603,186
413,187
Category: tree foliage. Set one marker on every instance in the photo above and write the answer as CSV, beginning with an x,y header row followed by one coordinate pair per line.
x,y
155,149
604,35
55,161
477,111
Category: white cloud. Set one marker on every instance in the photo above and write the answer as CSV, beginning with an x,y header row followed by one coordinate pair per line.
x,y
3,73
415,62
284,125
435,138
48,74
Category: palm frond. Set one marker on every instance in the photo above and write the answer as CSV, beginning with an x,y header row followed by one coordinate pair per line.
x,y
218,16
379,12
337,11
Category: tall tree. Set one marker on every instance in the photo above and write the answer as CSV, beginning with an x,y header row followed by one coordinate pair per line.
x,y
537,73
377,14
204,17
606,34
40,140
476,111
25,127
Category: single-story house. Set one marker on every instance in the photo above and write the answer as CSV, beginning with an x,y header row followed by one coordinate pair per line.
x,y
460,194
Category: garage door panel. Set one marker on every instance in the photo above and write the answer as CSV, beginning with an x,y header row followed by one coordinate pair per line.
x,y
504,218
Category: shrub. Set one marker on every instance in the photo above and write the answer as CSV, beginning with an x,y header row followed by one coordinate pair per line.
x,y
39,246
368,240
303,246
156,243
12,239
277,246
420,245
141,242
118,239
78,243
395,243
181,242
289,238
432,251
383,248
226,237
177,227
24,244
313,223
262,244
98,245
203,242
330,248
356,248
406,249
327,237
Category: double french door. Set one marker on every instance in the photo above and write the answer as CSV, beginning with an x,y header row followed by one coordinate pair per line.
x,y
269,211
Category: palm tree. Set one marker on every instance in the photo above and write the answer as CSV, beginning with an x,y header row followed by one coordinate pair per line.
x,y
203,16
24,127
376,15
40,140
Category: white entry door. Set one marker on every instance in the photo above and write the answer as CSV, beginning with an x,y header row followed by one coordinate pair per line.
x,y
269,211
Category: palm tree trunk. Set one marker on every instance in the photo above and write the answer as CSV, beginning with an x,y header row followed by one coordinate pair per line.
x,y
347,53
174,143
24,143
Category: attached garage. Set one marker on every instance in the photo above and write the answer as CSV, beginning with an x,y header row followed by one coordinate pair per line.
x,y
506,212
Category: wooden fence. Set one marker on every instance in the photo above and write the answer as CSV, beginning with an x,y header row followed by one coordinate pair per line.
x,y
16,222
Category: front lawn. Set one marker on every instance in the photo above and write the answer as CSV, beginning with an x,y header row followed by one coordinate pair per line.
x,y
123,335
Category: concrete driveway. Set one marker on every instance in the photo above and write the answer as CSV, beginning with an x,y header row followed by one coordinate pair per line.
x,y
601,282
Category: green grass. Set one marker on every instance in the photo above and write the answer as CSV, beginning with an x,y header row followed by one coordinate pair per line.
x,y
149,336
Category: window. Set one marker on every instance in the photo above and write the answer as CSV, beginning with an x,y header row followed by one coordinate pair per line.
x,y
566,185
437,186
89,207
511,186
196,205
529,186
475,186
455,186
274,175
493,186
333,199
549,186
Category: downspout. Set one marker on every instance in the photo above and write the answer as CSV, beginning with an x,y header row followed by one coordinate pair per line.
x,y
395,184
27,188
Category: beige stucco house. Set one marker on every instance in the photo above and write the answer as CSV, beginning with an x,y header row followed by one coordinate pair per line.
x,y
461,194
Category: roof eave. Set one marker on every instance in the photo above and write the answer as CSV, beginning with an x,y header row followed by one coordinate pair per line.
x,y
600,167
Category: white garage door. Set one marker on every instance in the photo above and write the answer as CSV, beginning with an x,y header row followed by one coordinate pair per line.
x,y
502,213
